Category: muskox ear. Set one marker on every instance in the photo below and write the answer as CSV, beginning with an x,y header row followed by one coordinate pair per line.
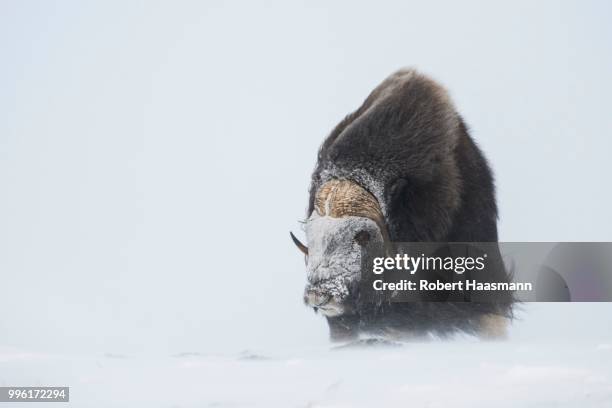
x,y
298,244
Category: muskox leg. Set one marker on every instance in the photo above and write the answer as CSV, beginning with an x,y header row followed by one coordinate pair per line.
x,y
493,327
343,328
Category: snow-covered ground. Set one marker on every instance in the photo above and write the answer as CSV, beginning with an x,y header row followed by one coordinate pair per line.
x,y
529,370
464,374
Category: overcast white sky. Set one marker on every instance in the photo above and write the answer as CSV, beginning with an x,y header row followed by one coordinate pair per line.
x,y
154,155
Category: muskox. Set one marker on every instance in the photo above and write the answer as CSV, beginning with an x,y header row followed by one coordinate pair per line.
x,y
401,168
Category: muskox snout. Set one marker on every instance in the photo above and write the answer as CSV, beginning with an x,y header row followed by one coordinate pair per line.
x,y
323,302
314,298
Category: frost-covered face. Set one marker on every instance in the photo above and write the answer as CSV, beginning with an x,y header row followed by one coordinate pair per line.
x,y
345,219
333,263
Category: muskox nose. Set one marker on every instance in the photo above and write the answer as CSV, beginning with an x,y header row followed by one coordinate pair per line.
x,y
315,298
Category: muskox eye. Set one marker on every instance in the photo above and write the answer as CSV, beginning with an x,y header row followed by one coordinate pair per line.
x,y
362,237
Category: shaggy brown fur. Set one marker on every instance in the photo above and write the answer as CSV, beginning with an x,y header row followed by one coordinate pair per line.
x,y
410,149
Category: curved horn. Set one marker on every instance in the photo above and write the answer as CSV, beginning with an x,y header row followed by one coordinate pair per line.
x,y
298,244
